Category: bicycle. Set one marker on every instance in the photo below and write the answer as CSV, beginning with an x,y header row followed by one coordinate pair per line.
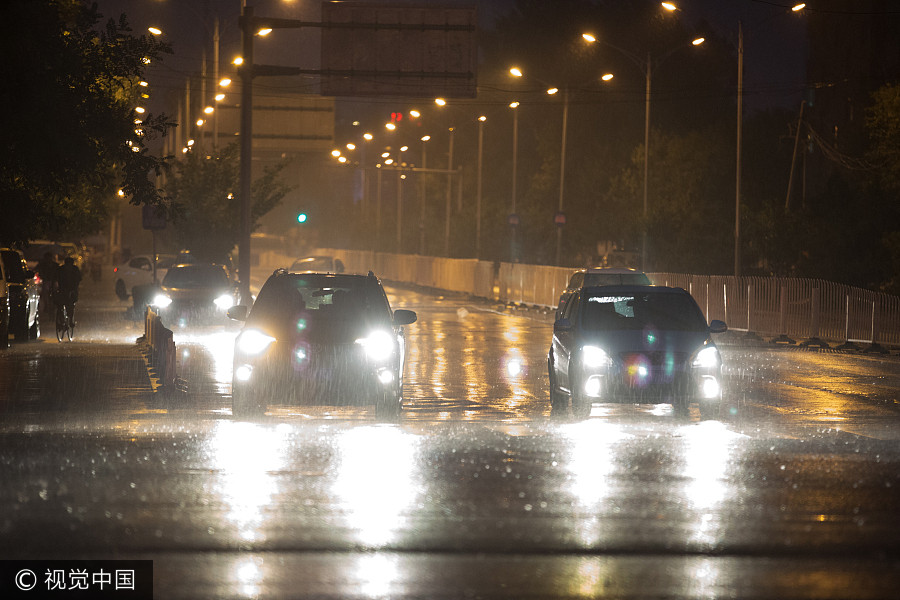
x,y
65,323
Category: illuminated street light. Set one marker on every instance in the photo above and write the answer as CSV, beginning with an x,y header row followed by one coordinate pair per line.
x,y
415,114
669,6
238,61
264,31
155,30
220,97
209,110
225,82
798,7
368,137
440,101
335,153
390,126
351,146
646,66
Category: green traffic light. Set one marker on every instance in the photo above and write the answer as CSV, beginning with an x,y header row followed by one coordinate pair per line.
x,y
301,218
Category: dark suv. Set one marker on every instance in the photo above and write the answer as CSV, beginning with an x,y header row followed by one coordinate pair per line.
x,y
317,338
641,344
24,295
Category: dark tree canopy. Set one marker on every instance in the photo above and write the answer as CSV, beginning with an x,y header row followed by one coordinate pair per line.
x,y
67,100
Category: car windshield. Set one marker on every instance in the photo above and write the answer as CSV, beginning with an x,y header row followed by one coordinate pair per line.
x,y
592,279
660,311
329,301
196,276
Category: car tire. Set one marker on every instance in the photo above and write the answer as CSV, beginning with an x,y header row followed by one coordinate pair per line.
x,y
4,334
244,405
121,292
388,405
34,332
558,401
18,324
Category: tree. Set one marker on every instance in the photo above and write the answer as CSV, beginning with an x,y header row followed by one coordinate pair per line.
x,y
67,136
207,206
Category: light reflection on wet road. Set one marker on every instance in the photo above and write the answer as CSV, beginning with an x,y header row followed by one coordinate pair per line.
x,y
475,492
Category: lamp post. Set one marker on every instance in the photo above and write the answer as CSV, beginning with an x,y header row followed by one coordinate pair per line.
x,y
513,217
740,118
517,72
481,121
423,139
646,67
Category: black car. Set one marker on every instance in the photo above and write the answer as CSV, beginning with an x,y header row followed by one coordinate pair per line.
x,y
196,293
316,338
641,344
24,295
594,276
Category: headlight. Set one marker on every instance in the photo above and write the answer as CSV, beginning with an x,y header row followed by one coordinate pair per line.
x,y
379,345
708,358
224,302
593,357
254,341
161,301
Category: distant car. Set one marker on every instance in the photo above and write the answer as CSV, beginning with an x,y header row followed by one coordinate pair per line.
x,y
600,276
138,270
316,338
642,344
318,264
24,295
59,250
195,293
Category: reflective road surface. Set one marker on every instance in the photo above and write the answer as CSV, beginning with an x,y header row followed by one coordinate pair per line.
x,y
476,491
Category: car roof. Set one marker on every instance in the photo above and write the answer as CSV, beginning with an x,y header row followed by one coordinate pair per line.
x,y
626,290
611,270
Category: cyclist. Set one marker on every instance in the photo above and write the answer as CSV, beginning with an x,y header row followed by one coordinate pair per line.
x,y
68,277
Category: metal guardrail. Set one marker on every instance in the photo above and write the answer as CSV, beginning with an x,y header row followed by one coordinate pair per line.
x,y
785,309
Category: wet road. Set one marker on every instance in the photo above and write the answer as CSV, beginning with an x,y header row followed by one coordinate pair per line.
x,y
476,492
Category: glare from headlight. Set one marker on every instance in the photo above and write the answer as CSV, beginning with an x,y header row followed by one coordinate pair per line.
x,y
224,302
593,357
242,373
707,358
379,345
385,376
161,301
253,341
710,388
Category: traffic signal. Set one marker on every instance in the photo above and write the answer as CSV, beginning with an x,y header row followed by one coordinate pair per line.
x,y
302,217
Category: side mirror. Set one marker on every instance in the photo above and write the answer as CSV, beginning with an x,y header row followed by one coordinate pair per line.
x,y
717,326
238,313
562,325
404,317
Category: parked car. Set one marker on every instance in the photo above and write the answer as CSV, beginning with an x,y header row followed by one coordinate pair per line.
x,y
600,276
59,250
138,270
24,295
318,264
643,344
195,293
316,338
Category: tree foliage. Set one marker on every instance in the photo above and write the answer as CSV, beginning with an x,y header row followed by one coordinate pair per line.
x,y
205,192
67,99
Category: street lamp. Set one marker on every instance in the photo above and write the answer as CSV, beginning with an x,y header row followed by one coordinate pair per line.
x,y
740,118
646,68
513,217
481,121
517,72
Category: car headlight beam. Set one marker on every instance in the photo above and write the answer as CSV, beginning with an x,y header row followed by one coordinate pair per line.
x,y
708,358
253,341
161,301
593,357
224,302
378,345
